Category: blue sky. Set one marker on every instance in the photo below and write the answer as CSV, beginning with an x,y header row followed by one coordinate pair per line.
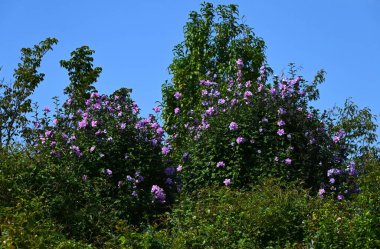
x,y
133,41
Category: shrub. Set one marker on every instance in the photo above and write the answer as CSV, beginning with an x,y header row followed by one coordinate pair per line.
x,y
26,225
100,165
257,129
272,214
349,224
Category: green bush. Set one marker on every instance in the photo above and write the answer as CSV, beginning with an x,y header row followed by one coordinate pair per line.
x,y
271,215
349,224
27,225
100,165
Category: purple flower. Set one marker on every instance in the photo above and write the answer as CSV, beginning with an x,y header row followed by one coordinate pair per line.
x,y
157,109
177,110
84,178
351,169
94,94
109,172
82,123
69,101
340,197
169,181
160,131
220,164
227,181
48,133
247,94
332,180
281,111
98,106
336,139
233,126
177,95
37,124
170,171
221,101
92,148
321,192
158,194
248,84
94,123
333,171
76,150
288,161
165,150
240,62
122,126
55,121
281,123
210,111
260,88
338,135
204,92
46,109
239,140
280,132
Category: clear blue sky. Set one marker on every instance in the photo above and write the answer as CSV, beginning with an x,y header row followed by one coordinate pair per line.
x,y
133,41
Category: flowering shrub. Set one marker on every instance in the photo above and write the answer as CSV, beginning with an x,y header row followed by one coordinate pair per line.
x,y
250,129
104,161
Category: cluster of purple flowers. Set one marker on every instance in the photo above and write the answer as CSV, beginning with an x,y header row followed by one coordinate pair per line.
x,y
158,194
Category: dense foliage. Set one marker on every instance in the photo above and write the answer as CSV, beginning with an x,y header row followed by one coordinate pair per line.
x,y
245,160
214,38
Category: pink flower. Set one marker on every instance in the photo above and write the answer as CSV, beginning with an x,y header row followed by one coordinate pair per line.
x,y
157,109
179,168
177,95
55,121
92,148
220,164
247,94
160,131
165,150
240,62
260,88
210,111
94,123
82,123
288,161
227,181
177,110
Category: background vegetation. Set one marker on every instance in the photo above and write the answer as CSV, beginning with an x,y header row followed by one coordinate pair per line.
x,y
241,158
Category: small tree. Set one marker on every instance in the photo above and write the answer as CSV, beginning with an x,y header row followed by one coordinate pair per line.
x,y
15,100
214,39
82,76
